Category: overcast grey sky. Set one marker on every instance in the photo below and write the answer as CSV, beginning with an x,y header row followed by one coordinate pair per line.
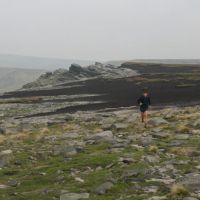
x,y
101,29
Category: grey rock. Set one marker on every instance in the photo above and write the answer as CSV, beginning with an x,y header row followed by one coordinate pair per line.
x,y
119,126
191,181
70,135
18,162
75,69
189,198
24,127
176,143
196,123
5,157
158,198
130,173
145,141
132,118
102,189
182,136
157,121
106,127
180,162
41,155
196,132
13,183
76,73
105,136
2,186
160,135
150,189
74,196
65,150
152,159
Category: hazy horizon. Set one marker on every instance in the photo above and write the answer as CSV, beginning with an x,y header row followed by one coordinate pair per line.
x,y
101,30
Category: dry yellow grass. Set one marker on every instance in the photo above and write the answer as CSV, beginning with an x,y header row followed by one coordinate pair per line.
x,y
153,149
178,189
18,136
183,151
44,131
181,128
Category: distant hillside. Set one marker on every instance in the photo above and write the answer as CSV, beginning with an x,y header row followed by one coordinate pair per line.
x,y
12,78
30,62
167,61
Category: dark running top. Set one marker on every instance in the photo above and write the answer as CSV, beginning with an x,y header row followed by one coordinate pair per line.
x,y
145,103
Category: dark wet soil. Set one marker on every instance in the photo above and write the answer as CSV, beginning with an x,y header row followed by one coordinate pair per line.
x,y
168,88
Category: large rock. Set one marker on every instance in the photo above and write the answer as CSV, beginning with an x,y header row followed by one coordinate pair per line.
x,y
196,123
158,198
182,136
65,150
189,198
161,135
157,121
152,159
102,189
5,157
69,135
105,136
145,141
119,126
75,69
74,196
191,181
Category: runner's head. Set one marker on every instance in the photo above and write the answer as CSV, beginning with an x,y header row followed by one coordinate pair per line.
x,y
145,91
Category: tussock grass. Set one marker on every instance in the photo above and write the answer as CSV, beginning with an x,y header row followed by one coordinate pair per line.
x,y
178,189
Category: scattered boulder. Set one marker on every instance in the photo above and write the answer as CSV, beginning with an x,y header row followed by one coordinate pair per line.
x,y
69,135
5,157
13,183
65,150
132,118
102,189
182,136
119,126
74,196
160,135
196,123
75,69
189,198
152,159
105,136
145,141
2,186
106,127
158,198
130,173
157,121
191,181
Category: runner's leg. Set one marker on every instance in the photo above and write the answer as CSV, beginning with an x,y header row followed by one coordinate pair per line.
x,y
142,116
145,118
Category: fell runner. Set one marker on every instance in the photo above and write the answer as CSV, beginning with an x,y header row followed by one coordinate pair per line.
x,y
144,103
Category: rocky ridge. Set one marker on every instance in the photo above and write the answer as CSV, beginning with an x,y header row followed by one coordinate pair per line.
x,y
78,73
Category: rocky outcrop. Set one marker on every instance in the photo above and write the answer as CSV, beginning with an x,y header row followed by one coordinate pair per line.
x,y
77,72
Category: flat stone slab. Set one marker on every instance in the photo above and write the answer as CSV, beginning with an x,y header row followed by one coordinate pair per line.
x,y
74,196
